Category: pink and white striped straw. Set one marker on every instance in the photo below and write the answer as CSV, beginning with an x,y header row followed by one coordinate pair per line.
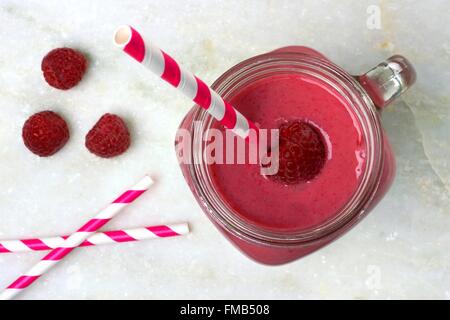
x,y
99,238
74,240
163,65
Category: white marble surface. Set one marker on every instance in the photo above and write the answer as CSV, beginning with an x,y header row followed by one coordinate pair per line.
x,y
400,251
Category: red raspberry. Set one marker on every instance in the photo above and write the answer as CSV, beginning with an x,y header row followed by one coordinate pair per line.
x,y
44,133
109,137
63,68
302,153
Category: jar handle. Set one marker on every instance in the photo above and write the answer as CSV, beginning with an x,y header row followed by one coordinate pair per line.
x,y
388,80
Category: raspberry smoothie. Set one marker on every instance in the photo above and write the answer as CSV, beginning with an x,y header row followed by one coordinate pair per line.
x,y
335,160
280,204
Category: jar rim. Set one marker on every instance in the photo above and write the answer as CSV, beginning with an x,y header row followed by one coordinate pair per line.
x,y
369,120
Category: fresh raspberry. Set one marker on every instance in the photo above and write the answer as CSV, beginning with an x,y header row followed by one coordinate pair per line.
x,y
44,133
109,137
63,68
302,153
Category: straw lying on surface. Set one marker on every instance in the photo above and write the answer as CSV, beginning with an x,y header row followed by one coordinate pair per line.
x,y
99,238
74,240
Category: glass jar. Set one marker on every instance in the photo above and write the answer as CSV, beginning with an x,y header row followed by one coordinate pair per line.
x,y
366,95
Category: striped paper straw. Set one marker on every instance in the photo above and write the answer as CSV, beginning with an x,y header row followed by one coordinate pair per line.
x,y
99,238
163,65
74,240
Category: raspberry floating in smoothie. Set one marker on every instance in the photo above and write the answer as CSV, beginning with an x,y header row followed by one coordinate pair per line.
x,y
45,133
302,153
63,68
109,137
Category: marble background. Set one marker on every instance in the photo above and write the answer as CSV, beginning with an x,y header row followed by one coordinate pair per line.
x,y
399,251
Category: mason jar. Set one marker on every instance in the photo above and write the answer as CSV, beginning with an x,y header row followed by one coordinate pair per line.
x,y
274,223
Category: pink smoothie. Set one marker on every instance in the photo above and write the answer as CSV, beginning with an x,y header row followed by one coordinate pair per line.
x,y
270,204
